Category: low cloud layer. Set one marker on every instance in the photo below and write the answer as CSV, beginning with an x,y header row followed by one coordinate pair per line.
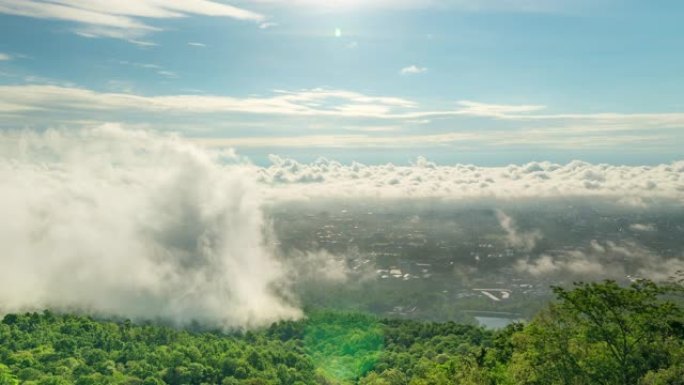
x,y
145,226
133,224
605,260
638,185
516,238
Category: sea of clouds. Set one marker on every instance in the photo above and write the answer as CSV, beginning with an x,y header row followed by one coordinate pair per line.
x,y
634,185
150,226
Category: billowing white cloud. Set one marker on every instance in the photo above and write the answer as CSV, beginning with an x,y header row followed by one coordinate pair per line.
x,y
125,19
413,70
146,226
133,224
326,178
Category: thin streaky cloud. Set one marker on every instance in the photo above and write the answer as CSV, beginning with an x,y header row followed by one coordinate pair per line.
x,y
123,19
143,43
495,110
159,70
519,6
5,57
331,110
490,139
327,103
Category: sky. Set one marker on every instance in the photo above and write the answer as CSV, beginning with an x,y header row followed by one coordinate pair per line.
x,y
455,81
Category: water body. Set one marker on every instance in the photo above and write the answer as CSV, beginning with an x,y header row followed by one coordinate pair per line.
x,y
495,322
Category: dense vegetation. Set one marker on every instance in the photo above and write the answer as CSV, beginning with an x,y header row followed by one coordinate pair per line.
x,y
597,333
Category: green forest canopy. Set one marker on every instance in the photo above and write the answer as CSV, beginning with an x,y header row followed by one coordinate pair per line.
x,y
595,333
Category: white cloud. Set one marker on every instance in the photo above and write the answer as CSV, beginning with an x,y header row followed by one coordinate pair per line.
x,y
604,260
159,70
140,225
413,70
318,266
168,74
196,44
316,101
516,238
465,5
327,102
267,25
648,227
629,185
5,57
313,102
140,43
329,107
136,225
124,19
344,141
495,110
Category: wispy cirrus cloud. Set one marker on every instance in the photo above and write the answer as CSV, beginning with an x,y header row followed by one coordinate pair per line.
x,y
321,102
308,102
330,118
267,25
5,57
159,70
534,6
122,19
495,110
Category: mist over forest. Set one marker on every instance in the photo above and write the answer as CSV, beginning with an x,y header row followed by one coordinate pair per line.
x,y
152,227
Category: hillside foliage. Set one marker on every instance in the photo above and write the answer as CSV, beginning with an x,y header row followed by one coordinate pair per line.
x,y
594,333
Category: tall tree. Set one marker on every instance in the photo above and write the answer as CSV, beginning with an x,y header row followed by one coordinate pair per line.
x,y
600,333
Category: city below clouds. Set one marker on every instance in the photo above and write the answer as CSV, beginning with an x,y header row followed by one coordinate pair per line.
x,y
193,222
229,164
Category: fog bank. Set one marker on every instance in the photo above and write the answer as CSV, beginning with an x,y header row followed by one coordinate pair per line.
x,y
134,224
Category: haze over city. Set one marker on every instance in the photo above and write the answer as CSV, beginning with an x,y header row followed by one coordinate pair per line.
x,y
229,163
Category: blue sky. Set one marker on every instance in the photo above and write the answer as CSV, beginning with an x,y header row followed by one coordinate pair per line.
x,y
463,81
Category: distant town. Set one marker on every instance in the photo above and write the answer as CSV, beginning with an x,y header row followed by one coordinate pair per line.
x,y
473,262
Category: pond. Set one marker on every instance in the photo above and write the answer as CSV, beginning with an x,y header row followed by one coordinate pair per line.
x,y
495,322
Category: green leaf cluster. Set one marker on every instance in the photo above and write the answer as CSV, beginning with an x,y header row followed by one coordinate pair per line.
x,y
594,333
